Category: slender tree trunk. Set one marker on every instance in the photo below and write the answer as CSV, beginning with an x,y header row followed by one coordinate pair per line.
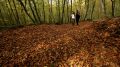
x,y
50,16
17,15
32,11
9,13
23,14
21,3
12,10
93,7
63,1
43,9
104,7
2,17
119,3
113,7
68,11
36,11
80,8
25,21
71,10
51,12
25,3
59,11
87,8
102,2
119,7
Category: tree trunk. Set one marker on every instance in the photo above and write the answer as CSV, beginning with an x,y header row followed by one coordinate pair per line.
x,y
59,11
25,3
9,15
113,7
36,11
102,2
68,11
93,7
43,9
63,1
87,8
50,11
24,7
71,10
17,15
2,17
12,10
32,11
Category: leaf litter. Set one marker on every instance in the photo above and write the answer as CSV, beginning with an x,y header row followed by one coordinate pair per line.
x,y
90,44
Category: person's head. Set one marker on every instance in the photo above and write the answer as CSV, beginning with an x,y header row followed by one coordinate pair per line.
x,y
77,11
73,12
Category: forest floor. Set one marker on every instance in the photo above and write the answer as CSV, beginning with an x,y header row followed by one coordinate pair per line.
x,y
90,44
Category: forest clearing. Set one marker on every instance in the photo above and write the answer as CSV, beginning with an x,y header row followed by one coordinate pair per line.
x,y
90,44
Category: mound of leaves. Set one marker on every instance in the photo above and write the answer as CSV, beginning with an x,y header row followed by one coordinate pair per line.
x,y
109,30
91,44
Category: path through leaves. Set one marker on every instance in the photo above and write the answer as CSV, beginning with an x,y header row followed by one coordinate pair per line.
x,y
91,44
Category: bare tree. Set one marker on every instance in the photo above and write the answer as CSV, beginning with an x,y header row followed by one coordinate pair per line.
x,y
113,7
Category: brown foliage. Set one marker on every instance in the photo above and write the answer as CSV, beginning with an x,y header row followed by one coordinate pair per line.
x,y
88,45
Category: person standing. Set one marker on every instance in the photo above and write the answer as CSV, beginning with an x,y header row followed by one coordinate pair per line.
x,y
73,18
77,16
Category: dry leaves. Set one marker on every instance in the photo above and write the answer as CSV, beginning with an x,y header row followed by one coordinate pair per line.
x,y
87,45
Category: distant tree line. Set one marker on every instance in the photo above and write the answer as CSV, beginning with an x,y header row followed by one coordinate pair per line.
x,y
24,12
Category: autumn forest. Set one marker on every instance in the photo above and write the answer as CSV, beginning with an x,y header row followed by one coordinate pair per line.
x,y
59,33
54,11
